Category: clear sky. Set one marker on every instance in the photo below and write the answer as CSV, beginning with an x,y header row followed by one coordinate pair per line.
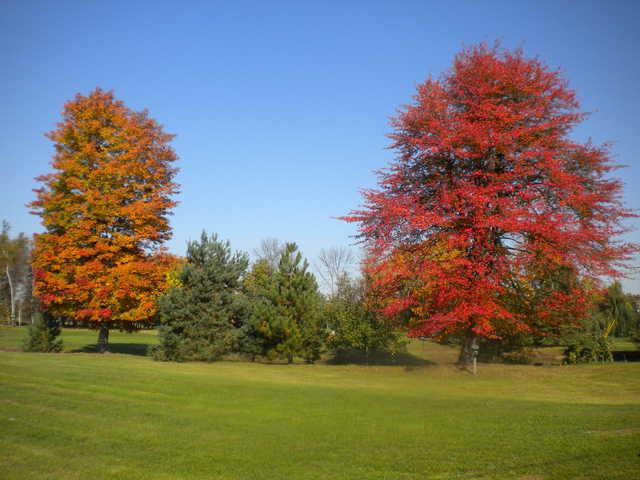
x,y
281,108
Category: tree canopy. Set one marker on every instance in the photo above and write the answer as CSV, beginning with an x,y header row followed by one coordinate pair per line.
x,y
489,194
105,212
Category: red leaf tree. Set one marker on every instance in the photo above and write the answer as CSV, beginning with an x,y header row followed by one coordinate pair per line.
x,y
104,209
492,220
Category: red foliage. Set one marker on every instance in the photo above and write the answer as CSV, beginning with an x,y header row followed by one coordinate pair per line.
x,y
487,195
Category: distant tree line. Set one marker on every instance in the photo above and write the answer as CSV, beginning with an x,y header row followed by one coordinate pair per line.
x,y
17,304
218,304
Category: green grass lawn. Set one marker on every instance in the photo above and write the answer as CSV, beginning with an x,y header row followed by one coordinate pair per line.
x,y
84,415
624,344
83,340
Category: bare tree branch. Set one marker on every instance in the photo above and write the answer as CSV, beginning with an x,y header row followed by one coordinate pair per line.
x,y
333,263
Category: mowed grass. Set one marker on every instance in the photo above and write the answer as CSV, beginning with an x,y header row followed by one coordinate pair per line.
x,y
624,344
84,340
121,416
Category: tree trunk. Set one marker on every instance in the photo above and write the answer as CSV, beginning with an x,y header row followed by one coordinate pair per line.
x,y
103,338
13,302
467,351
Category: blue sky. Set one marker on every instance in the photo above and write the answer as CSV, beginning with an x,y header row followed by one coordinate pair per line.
x,y
281,108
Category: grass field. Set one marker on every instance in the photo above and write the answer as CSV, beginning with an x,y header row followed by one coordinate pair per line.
x,y
124,416
76,340
624,344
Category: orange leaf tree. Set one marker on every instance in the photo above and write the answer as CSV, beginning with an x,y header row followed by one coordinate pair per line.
x,y
104,209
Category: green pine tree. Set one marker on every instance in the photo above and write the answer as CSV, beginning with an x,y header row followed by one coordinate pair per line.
x,y
43,335
286,309
202,318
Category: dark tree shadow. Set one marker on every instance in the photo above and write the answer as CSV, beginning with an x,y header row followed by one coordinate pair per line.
x,y
626,355
378,358
139,349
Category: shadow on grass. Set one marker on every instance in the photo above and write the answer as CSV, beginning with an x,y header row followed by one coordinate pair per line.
x,y
356,357
139,349
626,355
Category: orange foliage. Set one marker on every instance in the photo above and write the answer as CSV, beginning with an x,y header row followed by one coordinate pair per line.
x,y
104,209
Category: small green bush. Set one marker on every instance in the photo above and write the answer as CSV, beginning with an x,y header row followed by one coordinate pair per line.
x,y
588,349
354,326
43,335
